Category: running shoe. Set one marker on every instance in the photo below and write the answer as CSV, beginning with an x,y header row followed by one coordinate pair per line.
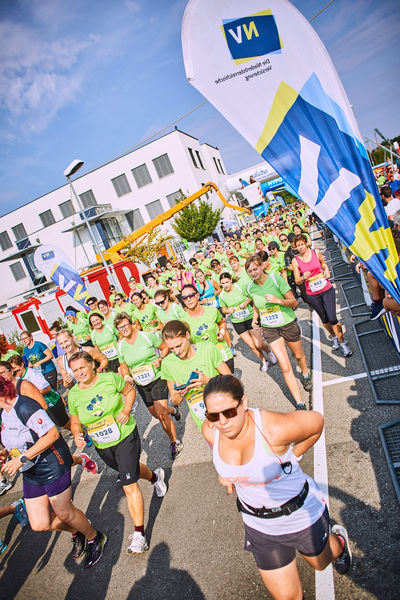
x,y
343,562
79,545
306,382
95,549
301,406
176,449
233,351
377,310
88,464
177,414
160,486
264,366
138,544
345,349
5,485
134,407
3,546
272,358
20,512
335,343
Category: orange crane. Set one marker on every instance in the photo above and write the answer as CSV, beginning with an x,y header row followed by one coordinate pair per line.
x,y
115,254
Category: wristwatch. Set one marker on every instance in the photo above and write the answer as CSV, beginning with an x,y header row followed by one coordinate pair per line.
x,y
23,459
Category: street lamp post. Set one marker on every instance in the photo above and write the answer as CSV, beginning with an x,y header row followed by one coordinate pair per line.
x,y
69,171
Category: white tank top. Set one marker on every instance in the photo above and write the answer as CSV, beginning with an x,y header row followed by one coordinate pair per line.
x,y
262,482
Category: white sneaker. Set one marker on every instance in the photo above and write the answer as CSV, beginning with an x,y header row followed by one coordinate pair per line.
x,y
5,485
138,544
264,366
335,343
345,349
272,358
160,486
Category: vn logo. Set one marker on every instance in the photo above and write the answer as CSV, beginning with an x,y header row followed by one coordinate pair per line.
x,y
252,36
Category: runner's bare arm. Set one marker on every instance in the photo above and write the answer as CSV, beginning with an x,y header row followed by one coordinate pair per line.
x,y
44,442
76,430
298,277
130,394
323,264
223,369
288,299
30,390
176,395
100,357
300,429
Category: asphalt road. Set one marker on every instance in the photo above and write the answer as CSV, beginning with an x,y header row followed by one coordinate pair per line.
x,y
195,532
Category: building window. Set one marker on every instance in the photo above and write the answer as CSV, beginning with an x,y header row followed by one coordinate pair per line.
x,y
112,230
17,271
199,159
216,164
163,165
220,166
47,218
193,158
19,232
135,219
174,198
154,209
141,175
67,209
121,185
88,199
5,242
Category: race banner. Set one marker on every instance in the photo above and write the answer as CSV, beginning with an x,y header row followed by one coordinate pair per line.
x,y
56,265
262,65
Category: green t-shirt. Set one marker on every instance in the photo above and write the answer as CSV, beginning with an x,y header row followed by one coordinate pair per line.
x,y
102,401
271,315
206,359
175,312
140,356
233,299
81,330
244,279
106,341
166,275
128,308
277,263
8,354
146,316
205,329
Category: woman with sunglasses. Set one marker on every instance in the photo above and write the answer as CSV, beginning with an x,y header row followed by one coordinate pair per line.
x,y
134,287
102,402
70,347
167,307
208,289
256,454
297,230
145,314
152,285
188,367
275,301
121,305
182,277
107,313
78,324
139,355
104,340
206,323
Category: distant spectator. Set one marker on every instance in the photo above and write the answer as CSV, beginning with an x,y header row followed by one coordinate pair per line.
x,y
243,182
252,179
394,185
392,205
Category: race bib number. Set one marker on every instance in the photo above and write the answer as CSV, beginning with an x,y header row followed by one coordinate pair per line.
x,y
80,340
104,431
242,314
110,351
194,398
143,375
271,317
317,282
222,348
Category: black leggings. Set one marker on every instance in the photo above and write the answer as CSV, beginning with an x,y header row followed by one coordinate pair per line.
x,y
51,378
324,305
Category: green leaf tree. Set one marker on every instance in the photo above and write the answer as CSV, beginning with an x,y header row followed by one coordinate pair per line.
x,y
196,222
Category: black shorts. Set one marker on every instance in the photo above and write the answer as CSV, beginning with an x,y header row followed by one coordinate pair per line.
x,y
51,378
58,414
290,333
156,390
124,458
113,365
231,364
243,326
324,305
275,551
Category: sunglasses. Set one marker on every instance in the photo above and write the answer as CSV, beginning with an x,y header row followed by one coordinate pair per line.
x,y
116,299
189,296
160,302
229,413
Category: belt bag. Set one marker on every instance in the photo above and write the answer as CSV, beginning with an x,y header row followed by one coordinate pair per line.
x,y
279,511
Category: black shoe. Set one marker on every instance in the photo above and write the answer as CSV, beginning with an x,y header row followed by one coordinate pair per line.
x,y
95,549
177,414
301,406
306,382
343,562
79,545
376,310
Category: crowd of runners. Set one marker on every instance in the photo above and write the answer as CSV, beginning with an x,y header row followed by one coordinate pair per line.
x,y
170,341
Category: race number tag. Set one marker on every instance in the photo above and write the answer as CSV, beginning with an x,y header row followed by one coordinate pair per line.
x,y
109,351
143,375
271,317
244,313
194,398
104,431
80,340
317,283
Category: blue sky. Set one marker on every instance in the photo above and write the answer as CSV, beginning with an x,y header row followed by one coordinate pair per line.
x,y
92,79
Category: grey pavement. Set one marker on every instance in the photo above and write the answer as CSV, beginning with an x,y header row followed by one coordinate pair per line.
x,y
195,532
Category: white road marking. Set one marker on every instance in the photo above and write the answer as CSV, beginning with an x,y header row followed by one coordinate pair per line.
x,y
344,379
324,586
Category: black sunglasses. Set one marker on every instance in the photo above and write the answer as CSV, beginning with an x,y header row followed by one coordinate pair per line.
x,y
189,296
160,302
229,413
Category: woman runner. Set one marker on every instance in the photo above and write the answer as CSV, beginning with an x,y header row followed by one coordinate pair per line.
x,y
107,313
167,307
104,340
208,289
256,452
96,402
38,355
145,314
69,345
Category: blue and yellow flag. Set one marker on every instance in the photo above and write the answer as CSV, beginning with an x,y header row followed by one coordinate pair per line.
x,y
266,70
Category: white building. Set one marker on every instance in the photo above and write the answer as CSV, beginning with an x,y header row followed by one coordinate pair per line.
x,y
118,197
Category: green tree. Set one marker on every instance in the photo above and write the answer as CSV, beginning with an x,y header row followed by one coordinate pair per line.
x,y
195,223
